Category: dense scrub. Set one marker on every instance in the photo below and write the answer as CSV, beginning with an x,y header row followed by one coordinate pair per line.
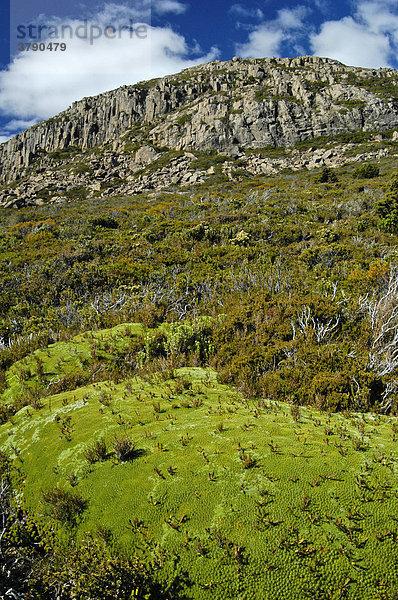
x,y
198,392
297,273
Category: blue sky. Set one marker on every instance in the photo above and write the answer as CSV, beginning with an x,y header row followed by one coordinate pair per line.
x,y
34,85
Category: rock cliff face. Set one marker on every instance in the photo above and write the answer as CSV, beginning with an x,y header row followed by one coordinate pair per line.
x,y
222,105
157,133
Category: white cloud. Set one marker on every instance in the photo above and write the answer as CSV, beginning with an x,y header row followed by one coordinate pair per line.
x,y
267,38
19,124
369,38
239,10
169,6
263,41
139,10
289,18
38,85
324,6
7,131
351,43
379,18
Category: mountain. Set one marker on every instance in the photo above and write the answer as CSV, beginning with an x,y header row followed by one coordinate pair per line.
x,y
256,116
199,340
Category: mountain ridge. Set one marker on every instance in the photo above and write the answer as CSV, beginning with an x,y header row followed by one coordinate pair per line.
x,y
233,108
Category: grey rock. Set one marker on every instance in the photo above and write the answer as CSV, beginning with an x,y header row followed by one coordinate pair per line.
x,y
229,107
219,105
145,155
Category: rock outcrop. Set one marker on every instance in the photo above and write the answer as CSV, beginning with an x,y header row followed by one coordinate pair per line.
x,y
229,107
221,105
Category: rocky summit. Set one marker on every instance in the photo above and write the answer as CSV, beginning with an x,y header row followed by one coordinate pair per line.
x,y
255,116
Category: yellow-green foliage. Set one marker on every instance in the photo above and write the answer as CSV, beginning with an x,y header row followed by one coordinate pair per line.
x,y
227,496
195,438
266,249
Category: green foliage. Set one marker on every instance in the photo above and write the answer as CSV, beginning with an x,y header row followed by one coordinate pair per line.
x,y
124,448
64,153
97,452
78,192
387,208
352,103
147,84
367,171
183,338
348,137
105,221
81,168
155,344
226,487
326,176
316,86
64,505
36,564
382,85
93,571
207,159
262,94
273,286
184,119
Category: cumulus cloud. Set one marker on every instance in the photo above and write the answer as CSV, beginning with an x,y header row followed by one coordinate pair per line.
x,y
324,7
351,43
241,11
111,12
169,6
37,85
19,124
263,41
369,38
267,38
9,129
380,17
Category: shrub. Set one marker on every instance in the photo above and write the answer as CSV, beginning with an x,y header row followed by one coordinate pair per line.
x,y
65,506
78,192
124,448
366,172
184,338
93,571
295,412
248,462
331,391
155,344
67,382
182,384
387,208
97,452
105,222
326,176
105,398
151,315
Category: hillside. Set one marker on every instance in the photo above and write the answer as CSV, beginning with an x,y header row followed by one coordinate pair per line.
x,y
198,389
226,497
227,116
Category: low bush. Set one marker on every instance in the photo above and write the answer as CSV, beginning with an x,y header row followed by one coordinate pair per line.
x,y
96,452
366,172
65,506
124,448
327,175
